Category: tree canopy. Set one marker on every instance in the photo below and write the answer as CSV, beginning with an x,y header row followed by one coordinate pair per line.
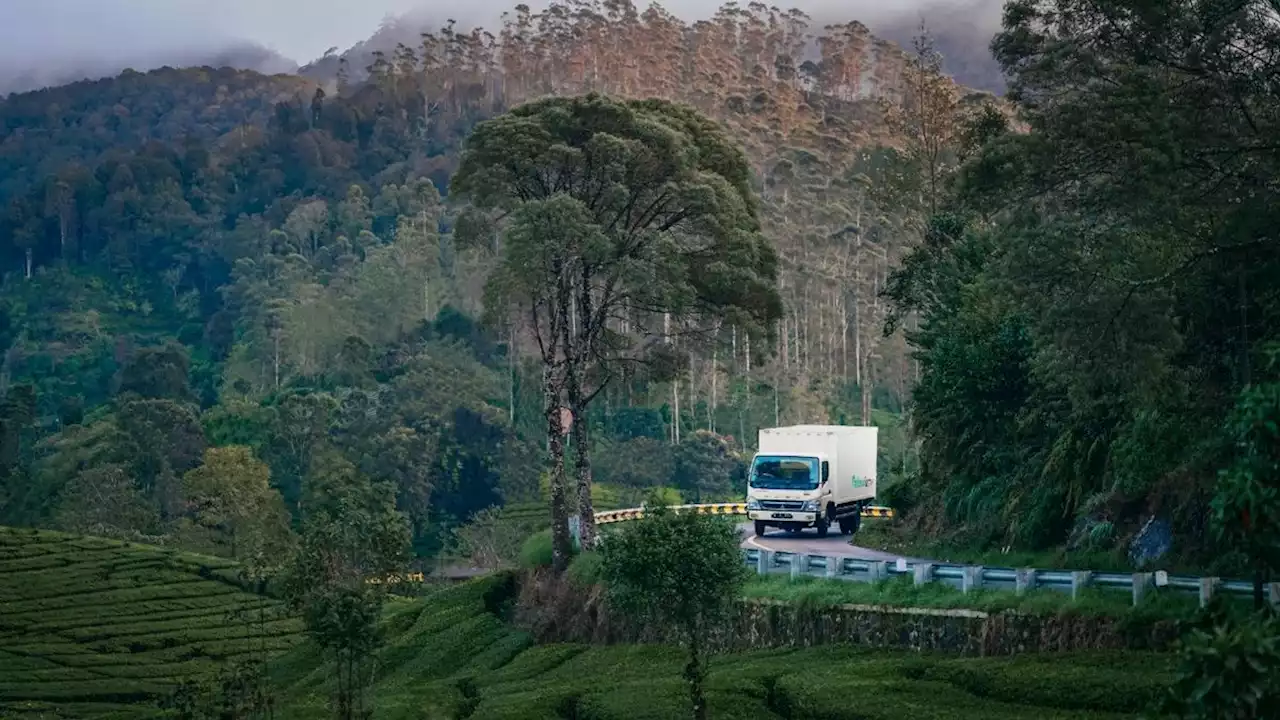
x,y
627,229
682,570
1097,292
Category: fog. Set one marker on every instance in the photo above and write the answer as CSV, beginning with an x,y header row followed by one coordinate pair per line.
x,y
53,41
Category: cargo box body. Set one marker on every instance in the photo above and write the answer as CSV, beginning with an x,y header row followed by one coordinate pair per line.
x,y
812,476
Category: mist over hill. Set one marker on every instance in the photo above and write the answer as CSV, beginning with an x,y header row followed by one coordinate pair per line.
x,y
62,41
961,30
64,70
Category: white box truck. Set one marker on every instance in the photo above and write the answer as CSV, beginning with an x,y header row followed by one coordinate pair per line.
x,y
812,476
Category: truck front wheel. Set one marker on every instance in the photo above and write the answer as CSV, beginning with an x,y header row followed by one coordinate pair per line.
x,y
760,528
822,524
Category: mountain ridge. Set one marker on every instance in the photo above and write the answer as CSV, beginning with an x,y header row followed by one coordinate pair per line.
x,y
961,33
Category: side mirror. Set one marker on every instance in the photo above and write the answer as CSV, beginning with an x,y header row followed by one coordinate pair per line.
x,y
826,471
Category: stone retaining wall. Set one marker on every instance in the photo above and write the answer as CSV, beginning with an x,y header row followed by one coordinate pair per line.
x,y
555,610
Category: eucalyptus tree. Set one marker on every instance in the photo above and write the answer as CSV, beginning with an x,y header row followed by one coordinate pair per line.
x,y
622,227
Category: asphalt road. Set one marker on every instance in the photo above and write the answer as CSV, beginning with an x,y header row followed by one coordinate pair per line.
x,y
808,542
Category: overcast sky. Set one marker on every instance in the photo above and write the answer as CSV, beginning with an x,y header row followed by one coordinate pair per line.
x,y
299,29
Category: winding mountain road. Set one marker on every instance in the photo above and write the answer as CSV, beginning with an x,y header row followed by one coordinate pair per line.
x,y
809,543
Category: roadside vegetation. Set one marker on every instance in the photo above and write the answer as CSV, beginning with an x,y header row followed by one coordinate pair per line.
x,y
891,535
901,592
449,656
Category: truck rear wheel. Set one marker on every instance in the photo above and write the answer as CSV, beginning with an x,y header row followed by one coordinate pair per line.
x,y
760,528
850,525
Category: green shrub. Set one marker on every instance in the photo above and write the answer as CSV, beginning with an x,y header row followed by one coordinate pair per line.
x,y
1097,682
536,551
585,570
1230,667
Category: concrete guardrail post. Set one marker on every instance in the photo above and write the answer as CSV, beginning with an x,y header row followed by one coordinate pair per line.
x,y
1024,580
764,562
1273,594
1080,580
877,570
799,565
834,566
970,578
1208,586
1142,582
922,573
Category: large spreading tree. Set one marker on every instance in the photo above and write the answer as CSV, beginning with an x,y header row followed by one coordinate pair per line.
x,y
624,229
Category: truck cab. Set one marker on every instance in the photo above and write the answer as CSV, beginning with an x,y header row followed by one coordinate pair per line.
x,y
815,476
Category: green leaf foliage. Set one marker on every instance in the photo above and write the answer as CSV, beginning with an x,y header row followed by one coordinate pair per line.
x,y
648,200
1094,296
1230,668
682,570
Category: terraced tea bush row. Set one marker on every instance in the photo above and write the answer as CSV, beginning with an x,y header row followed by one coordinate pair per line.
x,y
81,654
102,617
98,628
193,588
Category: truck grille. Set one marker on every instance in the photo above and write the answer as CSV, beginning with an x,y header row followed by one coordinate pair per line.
x,y
781,505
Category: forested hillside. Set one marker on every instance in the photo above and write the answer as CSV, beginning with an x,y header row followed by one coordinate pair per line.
x,y
226,259
200,261
1098,341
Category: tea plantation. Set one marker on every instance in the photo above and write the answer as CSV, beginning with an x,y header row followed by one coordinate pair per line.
x,y
92,627
450,656
99,629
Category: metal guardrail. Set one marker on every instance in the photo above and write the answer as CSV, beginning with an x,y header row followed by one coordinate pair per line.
x,y
612,516
970,578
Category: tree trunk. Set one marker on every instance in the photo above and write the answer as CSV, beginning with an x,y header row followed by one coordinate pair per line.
x,y
675,415
866,401
715,372
582,462
561,542
511,378
275,357
695,674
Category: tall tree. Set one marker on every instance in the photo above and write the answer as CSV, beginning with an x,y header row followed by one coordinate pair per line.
x,y
629,222
351,534
231,496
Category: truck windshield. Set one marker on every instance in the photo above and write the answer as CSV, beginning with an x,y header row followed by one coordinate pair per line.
x,y
781,472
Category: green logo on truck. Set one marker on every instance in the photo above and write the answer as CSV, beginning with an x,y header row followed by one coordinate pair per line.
x,y
859,481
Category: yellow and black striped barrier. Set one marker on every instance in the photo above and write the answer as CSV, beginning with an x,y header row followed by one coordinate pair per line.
x,y
395,579
605,517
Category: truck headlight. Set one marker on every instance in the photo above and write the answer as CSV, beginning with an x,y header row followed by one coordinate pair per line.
x,y
811,506
753,504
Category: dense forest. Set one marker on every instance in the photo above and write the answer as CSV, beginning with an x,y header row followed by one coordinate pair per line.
x,y
208,269
203,261
1098,294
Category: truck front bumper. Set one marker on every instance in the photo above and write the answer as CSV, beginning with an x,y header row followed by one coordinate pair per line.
x,y
782,517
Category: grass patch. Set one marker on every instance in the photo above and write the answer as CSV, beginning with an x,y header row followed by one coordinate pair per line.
x,y
888,536
93,628
586,569
901,592
537,550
